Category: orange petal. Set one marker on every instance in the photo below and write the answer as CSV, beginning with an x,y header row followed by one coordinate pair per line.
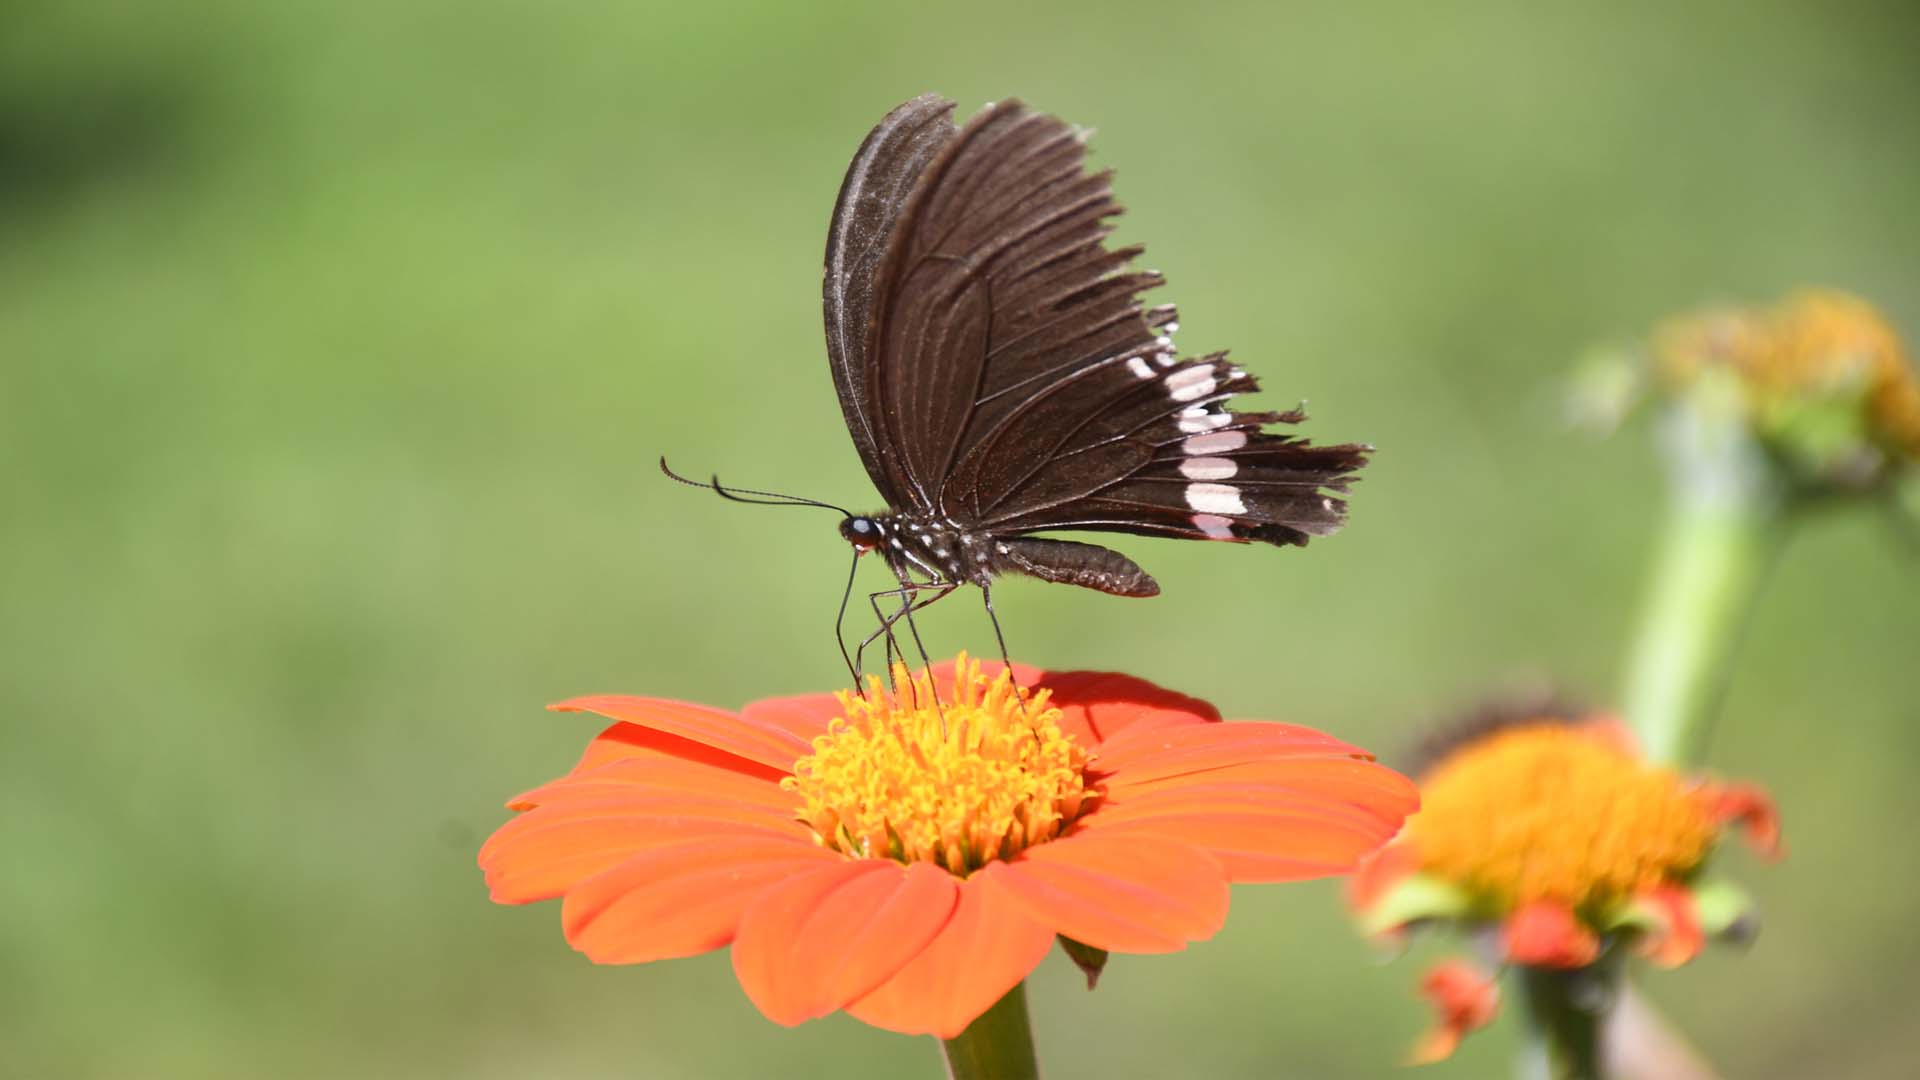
x,y
1143,755
656,772
1376,876
1137,893
623,742
681,900
986,948
821,940
1361,791
1678,937
1464,1000
1546,933
804,716
758,742
1748,806
1097,705
1259,844
544,853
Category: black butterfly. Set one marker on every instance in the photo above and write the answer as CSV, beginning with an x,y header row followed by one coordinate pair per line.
x,y
1000,377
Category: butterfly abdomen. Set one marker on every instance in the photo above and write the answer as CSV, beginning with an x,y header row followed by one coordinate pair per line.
x,y
1086,565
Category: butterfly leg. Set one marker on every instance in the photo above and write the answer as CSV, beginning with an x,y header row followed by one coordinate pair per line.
x,y
885,629
909,602
926,662
887,623
986,597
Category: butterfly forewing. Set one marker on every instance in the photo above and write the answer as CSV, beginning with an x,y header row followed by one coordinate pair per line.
x,y
864,218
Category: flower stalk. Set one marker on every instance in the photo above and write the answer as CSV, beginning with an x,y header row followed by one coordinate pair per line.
x,y
1563,1016
1727,521
998,1044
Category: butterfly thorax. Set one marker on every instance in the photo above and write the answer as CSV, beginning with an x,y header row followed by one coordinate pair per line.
x,y
927,548
924,547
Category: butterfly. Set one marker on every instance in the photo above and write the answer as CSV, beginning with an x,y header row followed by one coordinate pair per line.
x,y
1000,376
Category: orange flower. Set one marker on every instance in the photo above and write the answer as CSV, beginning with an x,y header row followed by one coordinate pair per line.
x,y
1562,840
910,862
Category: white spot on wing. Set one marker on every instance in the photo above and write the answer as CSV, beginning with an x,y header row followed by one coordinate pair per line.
x,y
1218,442
1139,368
1190,383
1196,418
1208,468
1215,499
1220,528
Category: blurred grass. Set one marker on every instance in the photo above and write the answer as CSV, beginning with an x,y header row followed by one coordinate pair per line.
x,y
337,343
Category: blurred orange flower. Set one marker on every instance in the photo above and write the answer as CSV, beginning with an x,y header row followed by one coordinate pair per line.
x,y
1561,840
1811,346
911,858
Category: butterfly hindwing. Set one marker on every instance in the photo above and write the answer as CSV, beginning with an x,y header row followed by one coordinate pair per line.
x,y
1213,473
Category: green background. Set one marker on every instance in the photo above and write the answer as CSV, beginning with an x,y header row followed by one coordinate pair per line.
x,y
337,343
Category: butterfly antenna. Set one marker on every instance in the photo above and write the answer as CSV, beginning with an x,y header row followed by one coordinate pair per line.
x,y
772,498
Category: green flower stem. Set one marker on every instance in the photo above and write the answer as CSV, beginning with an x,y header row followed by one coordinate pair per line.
x,y
1725,526
998,1045
1711,564
1561,1022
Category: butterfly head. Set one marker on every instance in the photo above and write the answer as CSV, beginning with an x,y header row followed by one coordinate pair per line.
x,y
862,532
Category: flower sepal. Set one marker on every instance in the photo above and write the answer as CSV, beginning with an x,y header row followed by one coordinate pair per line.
x,y
1726,911
1410,900
1674,922
1089,960
1666,924
1823,436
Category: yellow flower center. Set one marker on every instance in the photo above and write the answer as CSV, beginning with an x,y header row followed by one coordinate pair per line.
x,y
955,782
1551,811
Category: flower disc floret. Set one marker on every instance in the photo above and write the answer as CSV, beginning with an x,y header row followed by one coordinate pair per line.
x,y
1559,813
957,783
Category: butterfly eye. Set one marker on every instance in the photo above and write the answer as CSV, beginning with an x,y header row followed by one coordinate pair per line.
x,y
862,533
